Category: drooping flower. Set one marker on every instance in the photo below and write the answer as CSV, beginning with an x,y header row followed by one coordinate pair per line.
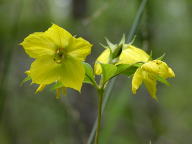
x,y
149,72
58,57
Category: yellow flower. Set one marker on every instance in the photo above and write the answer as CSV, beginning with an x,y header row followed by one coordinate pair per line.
x,y
103,58
58,57
148,74
131,55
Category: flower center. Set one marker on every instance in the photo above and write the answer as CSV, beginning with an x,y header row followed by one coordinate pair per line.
x,y
59,55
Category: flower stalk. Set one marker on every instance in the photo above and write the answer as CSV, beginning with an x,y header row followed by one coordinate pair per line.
x,y
100,92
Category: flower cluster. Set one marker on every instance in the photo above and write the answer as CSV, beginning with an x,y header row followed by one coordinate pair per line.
x,y
59,59
148,71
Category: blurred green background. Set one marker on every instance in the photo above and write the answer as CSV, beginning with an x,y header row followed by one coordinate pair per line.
x,y
28,118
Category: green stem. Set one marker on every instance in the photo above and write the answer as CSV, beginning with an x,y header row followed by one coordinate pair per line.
x,y
100,102
132,32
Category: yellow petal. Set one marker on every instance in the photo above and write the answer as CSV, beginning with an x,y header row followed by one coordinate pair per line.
x,y
158,67
38,44
78,48
40,88
27,72
137,80
59,35
171,72
45,71
150,84
131,55
104,59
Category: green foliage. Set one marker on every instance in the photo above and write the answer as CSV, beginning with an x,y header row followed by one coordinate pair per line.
x,y
89,76
57,85
161,57
25,80
108,71
162,80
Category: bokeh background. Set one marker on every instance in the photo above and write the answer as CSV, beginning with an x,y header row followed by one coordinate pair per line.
x,y
28,118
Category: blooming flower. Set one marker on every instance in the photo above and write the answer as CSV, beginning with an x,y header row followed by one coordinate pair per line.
x,y
149,72
58,57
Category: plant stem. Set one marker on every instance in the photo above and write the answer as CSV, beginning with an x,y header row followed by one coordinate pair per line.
x,y
132,32
100,102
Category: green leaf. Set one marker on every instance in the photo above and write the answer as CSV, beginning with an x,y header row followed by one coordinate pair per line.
x,y
130,71
132,41
57,85
122,67
108,70
122,41
161,57
110,44
162,80
127,69
25,80
104,46
139,64
150,56
89,76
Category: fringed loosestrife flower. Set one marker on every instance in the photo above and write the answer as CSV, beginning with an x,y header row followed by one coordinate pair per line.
x,y
58,58
149,72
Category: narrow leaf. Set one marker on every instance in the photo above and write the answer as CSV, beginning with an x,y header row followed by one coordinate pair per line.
x,y
122,40
162,80
132,41
110,44
161,57
25,80
57,85
150,56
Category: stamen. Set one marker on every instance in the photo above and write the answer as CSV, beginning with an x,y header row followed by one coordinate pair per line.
x,y
59,55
